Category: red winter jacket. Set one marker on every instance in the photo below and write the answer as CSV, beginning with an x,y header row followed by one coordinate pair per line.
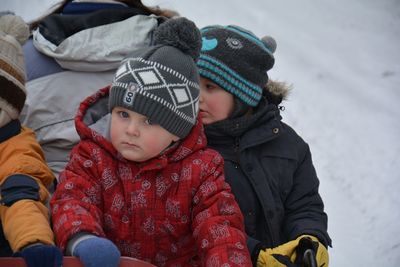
x,y
175,209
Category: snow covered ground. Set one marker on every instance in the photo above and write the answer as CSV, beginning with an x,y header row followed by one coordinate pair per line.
x,y
343,59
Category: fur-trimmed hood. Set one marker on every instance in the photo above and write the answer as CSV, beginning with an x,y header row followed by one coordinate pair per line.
x,y
276,91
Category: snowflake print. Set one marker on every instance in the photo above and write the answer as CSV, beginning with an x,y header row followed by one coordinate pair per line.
x,y
125,219
67,207
238,258
168,227
172,208
76,223
186,173
214,261
108,179
93,194
60,222
175,177
117,203
184,219
87,163
197,161
95,153
174,248
69,185
227,209
138,199
132,250
183,152
204,243
146,185
217,160
208,188
161,186
239,245
160,259
219,231
149,226
108,221
124,172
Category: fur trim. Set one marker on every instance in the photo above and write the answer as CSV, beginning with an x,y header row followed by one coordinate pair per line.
x,y
280,89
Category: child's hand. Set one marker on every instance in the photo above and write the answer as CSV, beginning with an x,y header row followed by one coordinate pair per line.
x,y
97,251
291,253
40,255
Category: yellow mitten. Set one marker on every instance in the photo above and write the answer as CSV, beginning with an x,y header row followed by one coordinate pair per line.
x,y
307,242
286,255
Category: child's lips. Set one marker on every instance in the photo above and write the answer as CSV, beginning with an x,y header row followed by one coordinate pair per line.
x,y
130,144
203,113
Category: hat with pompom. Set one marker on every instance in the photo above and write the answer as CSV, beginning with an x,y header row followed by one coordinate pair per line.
x,y
236,60
13,33
161,82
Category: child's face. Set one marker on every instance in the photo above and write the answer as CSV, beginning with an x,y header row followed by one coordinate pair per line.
x,y
216,104
133,135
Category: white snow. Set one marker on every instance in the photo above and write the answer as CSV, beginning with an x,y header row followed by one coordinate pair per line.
x,y
343,59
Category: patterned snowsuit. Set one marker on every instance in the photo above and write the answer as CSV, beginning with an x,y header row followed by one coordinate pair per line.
x,y
172,210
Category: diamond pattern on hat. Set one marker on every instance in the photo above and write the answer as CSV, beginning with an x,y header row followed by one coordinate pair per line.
x,y
122,69
180,94
176,95
149,77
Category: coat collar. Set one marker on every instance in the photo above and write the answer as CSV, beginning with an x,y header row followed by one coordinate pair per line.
x,y
252,130
9,130
94,108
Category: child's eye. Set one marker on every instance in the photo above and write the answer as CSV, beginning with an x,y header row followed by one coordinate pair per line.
x,y
123,114
210,86
148,122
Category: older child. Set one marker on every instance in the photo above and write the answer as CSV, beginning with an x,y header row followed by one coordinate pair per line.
x,y
268,166
141,182
24,174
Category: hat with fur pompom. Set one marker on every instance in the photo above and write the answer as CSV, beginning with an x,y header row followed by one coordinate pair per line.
x,y
13,33
161,82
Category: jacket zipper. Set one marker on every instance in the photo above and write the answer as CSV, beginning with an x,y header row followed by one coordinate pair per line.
x,y
237,156
236,149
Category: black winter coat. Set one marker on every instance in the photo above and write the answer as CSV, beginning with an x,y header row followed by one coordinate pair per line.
x,y
270,170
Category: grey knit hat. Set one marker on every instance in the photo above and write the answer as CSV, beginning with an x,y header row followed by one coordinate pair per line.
x,y
13,33
161,82
236,60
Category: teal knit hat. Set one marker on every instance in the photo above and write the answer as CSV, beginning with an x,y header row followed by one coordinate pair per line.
x,y
236,60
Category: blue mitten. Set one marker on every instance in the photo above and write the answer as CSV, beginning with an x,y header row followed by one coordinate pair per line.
x,y
40,255
97,251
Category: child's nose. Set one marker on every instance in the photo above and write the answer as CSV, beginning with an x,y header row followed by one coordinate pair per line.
x,y
201,97
133,129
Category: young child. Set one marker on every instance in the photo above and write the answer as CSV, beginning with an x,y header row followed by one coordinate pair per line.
x,y
24,174
267,165
141,182
65,64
